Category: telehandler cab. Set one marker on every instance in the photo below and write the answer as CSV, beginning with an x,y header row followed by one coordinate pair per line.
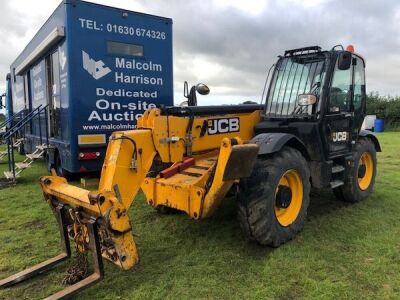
x,y
308,133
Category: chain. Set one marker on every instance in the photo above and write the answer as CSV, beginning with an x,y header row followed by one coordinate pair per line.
x,y
79,267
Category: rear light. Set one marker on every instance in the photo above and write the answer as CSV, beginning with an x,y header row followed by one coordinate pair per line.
x,y
89,155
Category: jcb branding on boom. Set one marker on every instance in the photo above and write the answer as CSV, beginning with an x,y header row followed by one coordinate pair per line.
x,y
225,125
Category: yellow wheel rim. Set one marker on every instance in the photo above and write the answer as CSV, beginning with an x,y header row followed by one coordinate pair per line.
x,y
291,179
365,160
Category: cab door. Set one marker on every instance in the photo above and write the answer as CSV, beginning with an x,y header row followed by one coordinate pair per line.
x,y
359,93
339,116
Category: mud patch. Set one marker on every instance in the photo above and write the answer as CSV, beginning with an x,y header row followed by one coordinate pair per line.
x,y
34,224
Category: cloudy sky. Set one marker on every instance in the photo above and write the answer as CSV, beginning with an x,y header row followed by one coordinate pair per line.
x,y
229,44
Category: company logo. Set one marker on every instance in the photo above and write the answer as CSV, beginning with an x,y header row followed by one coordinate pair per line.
x,y
62,58
217,126
340,136
95,68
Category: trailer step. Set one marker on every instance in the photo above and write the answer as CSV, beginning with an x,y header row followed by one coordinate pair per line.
x,y
18,142
337,169
336,183
34,156
42,147
23,165
3,154
9,175
27,163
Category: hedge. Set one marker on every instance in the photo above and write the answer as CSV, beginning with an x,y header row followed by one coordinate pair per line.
x,y
385,107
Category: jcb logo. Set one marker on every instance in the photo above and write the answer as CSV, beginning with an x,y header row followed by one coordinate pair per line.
x,y
217,126
340,136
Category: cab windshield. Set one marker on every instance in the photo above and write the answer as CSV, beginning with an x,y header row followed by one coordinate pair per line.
x,y
293,76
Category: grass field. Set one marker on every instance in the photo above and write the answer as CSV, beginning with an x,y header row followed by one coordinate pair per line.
x,y
344,251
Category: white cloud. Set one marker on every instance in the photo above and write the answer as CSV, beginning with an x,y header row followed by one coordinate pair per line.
x,y
255,7
229,44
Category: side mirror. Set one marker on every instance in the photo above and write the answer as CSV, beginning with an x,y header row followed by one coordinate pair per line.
x,y
202,89
306,99
344,60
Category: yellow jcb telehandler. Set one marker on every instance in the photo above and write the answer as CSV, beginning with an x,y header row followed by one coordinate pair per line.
x,y
308,133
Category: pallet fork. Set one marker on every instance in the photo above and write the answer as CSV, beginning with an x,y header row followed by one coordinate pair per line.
x,y
94,245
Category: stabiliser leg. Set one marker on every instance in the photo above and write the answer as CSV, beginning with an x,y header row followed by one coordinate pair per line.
x,y
50,263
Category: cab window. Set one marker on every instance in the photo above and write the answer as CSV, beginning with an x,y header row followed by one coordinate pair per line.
x,y
359,84
340,92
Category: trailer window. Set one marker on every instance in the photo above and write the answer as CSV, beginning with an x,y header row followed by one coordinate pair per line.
x,y
124,49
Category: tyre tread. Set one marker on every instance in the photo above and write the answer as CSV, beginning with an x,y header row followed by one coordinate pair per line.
x,y
259,222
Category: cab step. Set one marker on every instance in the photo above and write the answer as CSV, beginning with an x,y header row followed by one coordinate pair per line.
x,y
337,169
336,183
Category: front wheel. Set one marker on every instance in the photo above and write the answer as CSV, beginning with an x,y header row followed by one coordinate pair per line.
x,y
360,180
273,201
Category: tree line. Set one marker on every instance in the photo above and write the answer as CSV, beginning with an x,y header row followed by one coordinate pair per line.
x,y
385,107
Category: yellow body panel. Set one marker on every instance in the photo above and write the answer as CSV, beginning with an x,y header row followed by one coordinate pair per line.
x,y
219,187
196,190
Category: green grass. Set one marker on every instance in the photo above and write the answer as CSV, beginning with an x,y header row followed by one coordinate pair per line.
x,y
344,251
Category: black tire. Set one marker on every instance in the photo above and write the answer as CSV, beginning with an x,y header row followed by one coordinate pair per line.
x,y
351,190
257,198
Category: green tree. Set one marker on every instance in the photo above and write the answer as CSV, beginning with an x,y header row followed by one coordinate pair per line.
x,y
384,107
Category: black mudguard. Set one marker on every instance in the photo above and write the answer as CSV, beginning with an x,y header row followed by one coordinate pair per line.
x,y
274,141
371,135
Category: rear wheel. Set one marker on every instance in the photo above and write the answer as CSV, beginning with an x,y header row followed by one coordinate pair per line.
x,y
361,174
273,201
